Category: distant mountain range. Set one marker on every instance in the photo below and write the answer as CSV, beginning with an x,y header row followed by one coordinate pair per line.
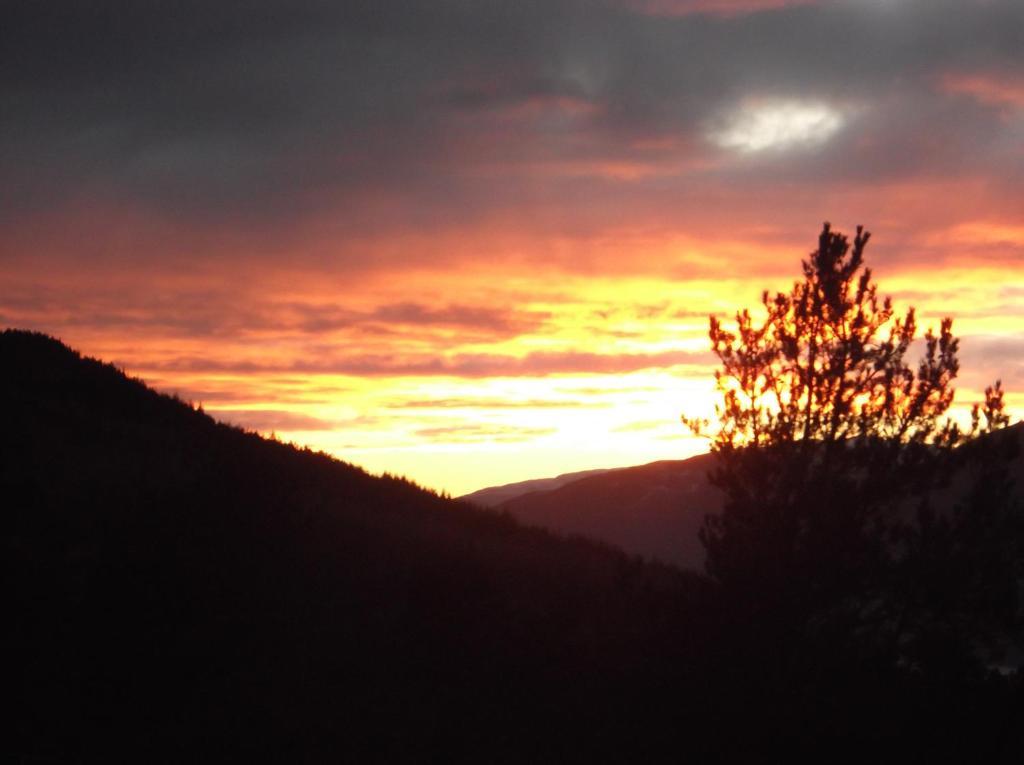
x,y
494,496
654,510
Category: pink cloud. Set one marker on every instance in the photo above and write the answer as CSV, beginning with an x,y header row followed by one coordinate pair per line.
x,y
266,420
990,89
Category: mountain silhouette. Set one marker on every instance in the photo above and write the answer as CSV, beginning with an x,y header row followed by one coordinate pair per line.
x,y
654,510
493,496
183,588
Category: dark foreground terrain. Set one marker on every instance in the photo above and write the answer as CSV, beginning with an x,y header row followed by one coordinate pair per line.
x,y
181,590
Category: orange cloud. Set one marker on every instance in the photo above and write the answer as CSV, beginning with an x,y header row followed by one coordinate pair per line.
x,y
991,89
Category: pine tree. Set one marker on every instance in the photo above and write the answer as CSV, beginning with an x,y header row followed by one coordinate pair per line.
x,y
832,447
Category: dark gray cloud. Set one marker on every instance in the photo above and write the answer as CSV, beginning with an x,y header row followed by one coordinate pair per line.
x,y
418,114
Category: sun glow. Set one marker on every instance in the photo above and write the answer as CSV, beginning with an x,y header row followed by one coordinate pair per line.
x,y
461,382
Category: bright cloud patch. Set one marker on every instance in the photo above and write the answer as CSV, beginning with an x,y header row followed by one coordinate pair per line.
x,y
759,126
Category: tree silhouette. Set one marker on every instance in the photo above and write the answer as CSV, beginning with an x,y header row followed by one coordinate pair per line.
x,y
832,448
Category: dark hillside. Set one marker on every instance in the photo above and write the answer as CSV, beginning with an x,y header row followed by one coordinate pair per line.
x,y
654,510
184,587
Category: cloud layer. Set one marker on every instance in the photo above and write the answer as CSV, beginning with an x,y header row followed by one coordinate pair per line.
x,y
255,200
262,123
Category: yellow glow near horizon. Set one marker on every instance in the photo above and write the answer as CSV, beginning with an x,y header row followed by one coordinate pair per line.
x,y
508,429
460,380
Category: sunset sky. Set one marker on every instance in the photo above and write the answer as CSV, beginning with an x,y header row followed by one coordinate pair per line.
x,y
474,242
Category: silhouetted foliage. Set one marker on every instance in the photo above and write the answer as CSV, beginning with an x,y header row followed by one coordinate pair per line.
x,y
836,456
